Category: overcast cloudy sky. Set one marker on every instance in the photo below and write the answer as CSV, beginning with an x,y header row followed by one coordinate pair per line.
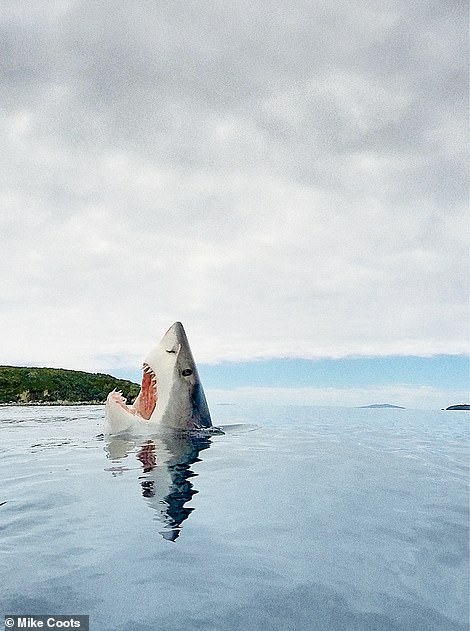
x,y
288,179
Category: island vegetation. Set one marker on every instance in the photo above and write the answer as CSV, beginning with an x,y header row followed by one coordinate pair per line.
x,y
57,386
460,406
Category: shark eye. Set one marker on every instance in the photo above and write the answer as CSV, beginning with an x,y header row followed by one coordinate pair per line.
x,y
186,372
171,351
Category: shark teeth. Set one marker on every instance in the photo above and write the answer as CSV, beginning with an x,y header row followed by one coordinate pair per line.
x,y
153,377
118,396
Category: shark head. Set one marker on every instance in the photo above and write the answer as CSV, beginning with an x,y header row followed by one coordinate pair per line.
x,y
171,394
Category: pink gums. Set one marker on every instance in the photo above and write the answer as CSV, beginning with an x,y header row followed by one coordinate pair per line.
x,y
147,399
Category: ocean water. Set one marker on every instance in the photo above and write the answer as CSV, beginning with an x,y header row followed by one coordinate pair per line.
x,y
298,518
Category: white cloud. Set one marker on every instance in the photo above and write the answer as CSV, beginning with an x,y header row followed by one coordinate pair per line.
x,y
285,182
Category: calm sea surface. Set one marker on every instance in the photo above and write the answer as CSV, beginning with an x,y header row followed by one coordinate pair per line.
x,y
298,518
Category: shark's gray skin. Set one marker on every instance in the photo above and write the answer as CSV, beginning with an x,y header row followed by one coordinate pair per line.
x,y
171,395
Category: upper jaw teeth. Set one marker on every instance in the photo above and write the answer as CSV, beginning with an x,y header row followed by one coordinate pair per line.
x,y
150,371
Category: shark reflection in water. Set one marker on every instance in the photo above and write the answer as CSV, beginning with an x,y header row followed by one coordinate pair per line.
x,y
166,461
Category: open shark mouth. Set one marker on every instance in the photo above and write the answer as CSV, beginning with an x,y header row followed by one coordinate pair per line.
x,y
146,400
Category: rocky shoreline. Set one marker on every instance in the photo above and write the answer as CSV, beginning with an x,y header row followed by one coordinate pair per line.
x,y
50,403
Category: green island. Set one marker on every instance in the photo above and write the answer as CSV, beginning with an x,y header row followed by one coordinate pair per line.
x,y
57,386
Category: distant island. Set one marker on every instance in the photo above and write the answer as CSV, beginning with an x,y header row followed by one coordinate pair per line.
x,y
462,406
382,405
57,386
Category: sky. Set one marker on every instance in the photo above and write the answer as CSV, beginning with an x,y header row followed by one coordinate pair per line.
x,y
289,180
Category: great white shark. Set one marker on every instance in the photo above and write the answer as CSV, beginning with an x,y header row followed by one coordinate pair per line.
x,y
171,395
